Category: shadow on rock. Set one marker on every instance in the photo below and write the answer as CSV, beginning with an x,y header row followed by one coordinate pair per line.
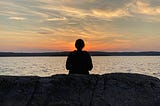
x,y
115,89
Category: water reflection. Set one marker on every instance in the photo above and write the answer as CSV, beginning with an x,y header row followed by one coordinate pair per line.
x,y
46,66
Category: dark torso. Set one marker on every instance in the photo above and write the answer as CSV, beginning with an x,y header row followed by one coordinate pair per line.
x,y
79,62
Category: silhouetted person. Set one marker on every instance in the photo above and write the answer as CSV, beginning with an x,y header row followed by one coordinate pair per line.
x,y
78,61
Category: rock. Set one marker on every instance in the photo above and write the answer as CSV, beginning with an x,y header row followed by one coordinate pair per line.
x,y
116,89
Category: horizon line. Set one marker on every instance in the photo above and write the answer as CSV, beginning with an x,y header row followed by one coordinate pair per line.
x,y
72,50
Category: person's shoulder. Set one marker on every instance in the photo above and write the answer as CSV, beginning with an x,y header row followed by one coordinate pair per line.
x,y
72,52
85,52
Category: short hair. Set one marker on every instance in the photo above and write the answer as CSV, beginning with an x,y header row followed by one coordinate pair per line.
x,y
79,44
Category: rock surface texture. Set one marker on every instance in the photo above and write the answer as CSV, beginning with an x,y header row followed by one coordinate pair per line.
x,y
116,89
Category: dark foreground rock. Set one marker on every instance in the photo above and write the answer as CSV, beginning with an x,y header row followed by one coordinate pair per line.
x,y
116,89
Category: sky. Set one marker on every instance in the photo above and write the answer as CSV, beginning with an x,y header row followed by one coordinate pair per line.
x,y
54,25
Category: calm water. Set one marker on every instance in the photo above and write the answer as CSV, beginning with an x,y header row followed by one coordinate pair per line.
x,y
46,66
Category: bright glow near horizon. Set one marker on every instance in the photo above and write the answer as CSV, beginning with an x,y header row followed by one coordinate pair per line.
x,y
54,25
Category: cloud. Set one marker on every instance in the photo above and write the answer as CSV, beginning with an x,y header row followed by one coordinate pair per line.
x,y
45,31
97,13
87,8
104,23
9,8
144,10
37,13
110,14
17,18
142,7
57,19
51,10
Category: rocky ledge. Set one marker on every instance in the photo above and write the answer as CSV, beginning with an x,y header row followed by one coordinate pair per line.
x,y
116,89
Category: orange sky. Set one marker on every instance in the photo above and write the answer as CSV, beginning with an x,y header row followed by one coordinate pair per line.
x,y
54,25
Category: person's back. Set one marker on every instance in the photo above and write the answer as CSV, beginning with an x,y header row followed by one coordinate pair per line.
x,y
78,61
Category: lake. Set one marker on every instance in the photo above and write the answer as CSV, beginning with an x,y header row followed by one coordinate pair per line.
x,y
47,66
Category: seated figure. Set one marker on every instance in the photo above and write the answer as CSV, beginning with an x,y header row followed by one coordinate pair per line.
x,y
78,61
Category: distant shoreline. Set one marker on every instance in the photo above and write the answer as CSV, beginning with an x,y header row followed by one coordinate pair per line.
x,y
95,53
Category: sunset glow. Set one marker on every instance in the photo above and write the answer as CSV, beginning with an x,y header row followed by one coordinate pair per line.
x,y
54,25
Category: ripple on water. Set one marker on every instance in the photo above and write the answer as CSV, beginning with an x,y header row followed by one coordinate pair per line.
x,y
46,66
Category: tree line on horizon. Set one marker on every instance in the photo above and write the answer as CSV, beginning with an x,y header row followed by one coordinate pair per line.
x,y
92,53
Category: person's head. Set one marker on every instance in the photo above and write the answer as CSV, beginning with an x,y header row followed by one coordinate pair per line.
x,y
79,44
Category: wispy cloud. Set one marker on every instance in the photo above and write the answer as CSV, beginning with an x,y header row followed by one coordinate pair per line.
x,y
56,19
104,23
143,10
111,14
144,7
94,11
17,18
